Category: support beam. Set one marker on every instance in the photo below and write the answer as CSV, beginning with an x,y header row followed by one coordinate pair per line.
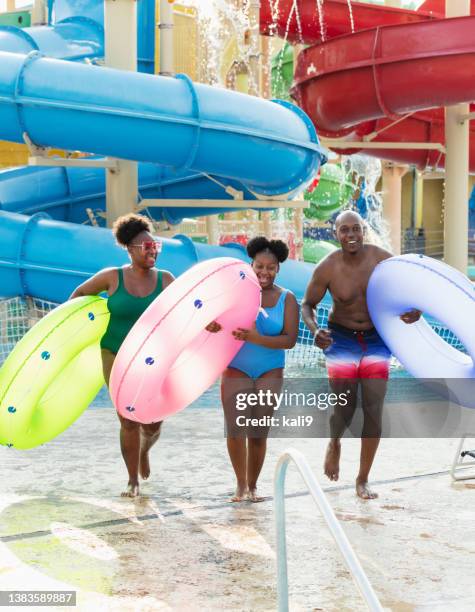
x,y
167,60
267,223
298,224
39,13
244,204
392,196
212,229
72,162
456,169
362,144
419,212
120,22
254,48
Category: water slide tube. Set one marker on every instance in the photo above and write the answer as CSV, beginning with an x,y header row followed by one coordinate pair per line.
x,y
391,71
405,46
272,148
65,193
47,259
299,21
76,33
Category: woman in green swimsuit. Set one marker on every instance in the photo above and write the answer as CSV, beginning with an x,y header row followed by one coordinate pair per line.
x,y
131,290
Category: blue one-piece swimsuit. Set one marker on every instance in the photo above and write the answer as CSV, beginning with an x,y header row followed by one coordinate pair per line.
x,y
255,360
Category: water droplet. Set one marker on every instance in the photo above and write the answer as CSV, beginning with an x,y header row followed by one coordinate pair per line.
x,y
150,361
242,275
45,355
90,316
198,304
130,409
11,409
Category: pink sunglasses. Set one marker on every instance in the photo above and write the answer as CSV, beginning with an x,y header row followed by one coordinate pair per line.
x,y
148,245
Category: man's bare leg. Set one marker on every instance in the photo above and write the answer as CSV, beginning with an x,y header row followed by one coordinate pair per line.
x,y
373,394
130,447
339,421
331,466
369,446
149,434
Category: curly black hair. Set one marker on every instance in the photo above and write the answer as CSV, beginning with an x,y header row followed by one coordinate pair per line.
x,y
125,228
260,243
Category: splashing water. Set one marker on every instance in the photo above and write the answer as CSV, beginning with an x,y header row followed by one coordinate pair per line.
x,y
352,21
367,172
321,19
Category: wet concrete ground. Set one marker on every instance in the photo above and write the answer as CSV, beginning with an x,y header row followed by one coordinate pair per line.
x,y
183,546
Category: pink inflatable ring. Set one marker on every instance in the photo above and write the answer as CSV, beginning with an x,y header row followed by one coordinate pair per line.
x,y
168,359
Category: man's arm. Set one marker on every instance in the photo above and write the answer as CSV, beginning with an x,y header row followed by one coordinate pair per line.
x,y
411,316
315,293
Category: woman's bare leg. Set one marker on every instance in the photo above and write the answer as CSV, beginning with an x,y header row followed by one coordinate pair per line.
x,y
257,445
234,382
149,434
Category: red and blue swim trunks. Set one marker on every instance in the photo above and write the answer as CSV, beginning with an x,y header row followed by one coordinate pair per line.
x,y
356,354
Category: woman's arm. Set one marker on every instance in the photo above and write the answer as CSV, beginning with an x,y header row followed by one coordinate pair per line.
x,y
102,281
167,278
288,337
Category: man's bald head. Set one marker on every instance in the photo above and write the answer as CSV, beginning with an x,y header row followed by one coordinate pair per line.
x,y
348,217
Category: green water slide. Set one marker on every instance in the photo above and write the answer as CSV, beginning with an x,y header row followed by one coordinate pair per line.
x,y
335,187
20,19
333,191
282,72
316,250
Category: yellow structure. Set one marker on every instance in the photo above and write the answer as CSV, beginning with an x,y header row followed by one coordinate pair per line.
x,y
186,49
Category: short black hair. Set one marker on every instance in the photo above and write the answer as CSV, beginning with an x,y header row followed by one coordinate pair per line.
x,y
125,228
260,243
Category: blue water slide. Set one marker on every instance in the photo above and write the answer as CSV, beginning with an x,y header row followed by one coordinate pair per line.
x,y
72,37
76,33
47,259
66,193
270,147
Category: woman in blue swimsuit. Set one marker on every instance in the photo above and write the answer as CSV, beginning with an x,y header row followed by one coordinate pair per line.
x,y
260,363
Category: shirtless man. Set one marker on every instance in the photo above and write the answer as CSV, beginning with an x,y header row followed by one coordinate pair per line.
x,y
354,351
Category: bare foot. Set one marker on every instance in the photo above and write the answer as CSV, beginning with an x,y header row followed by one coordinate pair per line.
x,y
363,491
254,497
240,495
144,467
131,491
331,466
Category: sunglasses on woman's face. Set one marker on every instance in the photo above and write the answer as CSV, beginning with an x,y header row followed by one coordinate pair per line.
x,y
148,245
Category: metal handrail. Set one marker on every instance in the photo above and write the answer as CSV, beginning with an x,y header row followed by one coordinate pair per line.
x,y
333,525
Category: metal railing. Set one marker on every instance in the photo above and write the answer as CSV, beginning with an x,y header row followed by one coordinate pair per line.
x,y
333,525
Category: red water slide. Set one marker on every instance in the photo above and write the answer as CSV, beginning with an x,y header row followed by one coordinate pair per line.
x,y
299,20
366,82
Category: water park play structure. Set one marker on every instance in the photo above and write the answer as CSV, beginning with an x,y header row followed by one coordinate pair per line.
x,y
192,135
65,193
253,148
382,57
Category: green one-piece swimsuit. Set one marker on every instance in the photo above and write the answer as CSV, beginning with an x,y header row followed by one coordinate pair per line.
x,y
124,310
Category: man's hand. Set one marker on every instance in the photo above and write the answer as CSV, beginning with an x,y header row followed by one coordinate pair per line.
x,y
323,339
214,327
411,317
